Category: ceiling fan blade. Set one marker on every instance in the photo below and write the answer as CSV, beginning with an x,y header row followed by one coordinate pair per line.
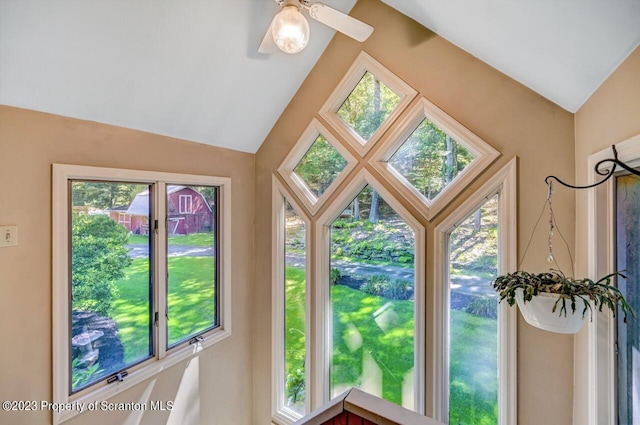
x,y
339,21
268,46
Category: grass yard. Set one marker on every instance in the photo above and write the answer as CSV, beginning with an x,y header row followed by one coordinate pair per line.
x,y
473,370
359,341
194,239
191,303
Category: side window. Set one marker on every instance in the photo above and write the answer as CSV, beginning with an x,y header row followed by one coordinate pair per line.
x,y
628,334
108,282
290,308
295,300
137,282
473,317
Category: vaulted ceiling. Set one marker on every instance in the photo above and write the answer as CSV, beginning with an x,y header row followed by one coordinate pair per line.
x,y
190,68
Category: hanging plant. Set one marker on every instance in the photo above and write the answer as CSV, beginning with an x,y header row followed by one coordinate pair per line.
x,y
574,294
546,298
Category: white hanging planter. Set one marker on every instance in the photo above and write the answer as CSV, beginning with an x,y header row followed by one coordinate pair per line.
x,y
539,313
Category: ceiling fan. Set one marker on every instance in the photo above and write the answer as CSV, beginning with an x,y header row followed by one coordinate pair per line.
x,y
289,30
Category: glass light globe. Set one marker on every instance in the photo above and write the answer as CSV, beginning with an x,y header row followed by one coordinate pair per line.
x,y
290,30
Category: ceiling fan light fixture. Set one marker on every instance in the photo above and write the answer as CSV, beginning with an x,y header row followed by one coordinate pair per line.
x,y
290,30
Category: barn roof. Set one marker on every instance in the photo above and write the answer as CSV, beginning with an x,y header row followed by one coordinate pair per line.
x,y
140,204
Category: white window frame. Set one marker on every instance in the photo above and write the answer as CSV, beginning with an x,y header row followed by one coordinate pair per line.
x,y
483,153
280,411
322,329
363,64
299,150
504,184
61,174
601,336
188,204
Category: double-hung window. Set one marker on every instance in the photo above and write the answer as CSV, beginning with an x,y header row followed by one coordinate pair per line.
x,y
134,295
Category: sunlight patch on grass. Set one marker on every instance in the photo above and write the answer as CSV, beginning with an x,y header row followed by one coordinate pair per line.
x,y
191,303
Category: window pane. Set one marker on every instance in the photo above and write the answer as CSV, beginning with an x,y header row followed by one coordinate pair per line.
x,y
628,252
372,281
111,305
368,105
473,325
430,159
192,261
295,310
320,166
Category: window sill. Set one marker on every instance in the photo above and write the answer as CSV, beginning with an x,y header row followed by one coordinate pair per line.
x,y
146,371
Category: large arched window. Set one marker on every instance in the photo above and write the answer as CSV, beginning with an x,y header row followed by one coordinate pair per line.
x,y
393,277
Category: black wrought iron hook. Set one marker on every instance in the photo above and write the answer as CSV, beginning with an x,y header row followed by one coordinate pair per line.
x,y
607,173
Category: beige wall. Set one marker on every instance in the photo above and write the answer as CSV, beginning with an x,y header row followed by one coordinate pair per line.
x,y
610,116
513,119
216,381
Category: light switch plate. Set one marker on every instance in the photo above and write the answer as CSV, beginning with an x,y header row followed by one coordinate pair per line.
x,y
8,236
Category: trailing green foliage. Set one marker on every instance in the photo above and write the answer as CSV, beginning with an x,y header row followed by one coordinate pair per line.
x,y
601,293
83,375
99,259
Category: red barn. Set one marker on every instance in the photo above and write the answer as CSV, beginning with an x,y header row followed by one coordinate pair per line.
x,y
187,212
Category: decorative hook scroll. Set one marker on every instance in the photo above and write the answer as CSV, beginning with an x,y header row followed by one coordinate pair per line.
x,y
608,173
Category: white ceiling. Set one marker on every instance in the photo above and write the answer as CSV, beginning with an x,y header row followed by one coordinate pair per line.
x,y
190,68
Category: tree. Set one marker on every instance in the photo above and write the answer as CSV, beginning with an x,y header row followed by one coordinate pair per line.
x,y
104,195
99,260
320,166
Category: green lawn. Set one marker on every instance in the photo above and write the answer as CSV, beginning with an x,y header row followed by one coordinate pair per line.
x,y
194,239
191,303
359,339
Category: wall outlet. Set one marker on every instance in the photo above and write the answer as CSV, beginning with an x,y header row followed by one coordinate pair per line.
x,y
8,236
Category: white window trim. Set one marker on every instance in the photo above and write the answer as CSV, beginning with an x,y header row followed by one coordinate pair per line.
x,y
601,359
322,335
299,150
61,173
483,153
361,65
280,412
504,183
188,202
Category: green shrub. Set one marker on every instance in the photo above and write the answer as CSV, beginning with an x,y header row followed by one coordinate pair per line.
x,y
383,286
483,307
296,383
99,259
375,284
334,275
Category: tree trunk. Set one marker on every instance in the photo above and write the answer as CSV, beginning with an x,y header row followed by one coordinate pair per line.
x,y
375,202
477,220
449,167
375,198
